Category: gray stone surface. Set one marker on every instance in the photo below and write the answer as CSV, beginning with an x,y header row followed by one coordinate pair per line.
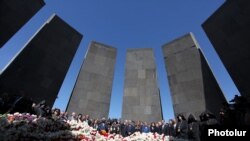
x,y
192,84
228,30
39,69
141,98
93,88
14,14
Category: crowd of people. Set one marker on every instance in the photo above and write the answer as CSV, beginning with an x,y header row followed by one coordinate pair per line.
x,y
181,128
235,114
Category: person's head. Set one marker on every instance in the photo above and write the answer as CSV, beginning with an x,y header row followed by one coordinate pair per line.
x,y
191,118
96,121
125,121
118,121
33,104
180,117
87,116
57,112
171,122
42,105
163,121
159,123
73,114
43,102
79,116
84,118
152,124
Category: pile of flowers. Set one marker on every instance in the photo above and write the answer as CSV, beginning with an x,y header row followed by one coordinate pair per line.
x,y
25,126
15,127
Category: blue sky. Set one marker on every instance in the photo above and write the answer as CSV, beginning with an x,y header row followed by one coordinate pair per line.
x,y
127,24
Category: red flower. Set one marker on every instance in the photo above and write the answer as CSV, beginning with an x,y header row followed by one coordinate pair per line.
x,y
104,133
82,137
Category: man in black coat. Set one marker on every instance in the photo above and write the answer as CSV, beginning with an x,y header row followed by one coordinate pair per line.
x,y
169,129
181,128
193,129
207,120
129,130
123,128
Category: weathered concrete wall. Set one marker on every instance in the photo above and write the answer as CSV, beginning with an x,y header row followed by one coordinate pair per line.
x,y
93,88
192,84
14,14
141,99
228,30
39,69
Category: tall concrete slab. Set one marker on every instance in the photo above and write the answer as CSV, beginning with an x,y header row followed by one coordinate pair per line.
x,y
40,67
14,14
141,98
92,92
228,29
192,85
